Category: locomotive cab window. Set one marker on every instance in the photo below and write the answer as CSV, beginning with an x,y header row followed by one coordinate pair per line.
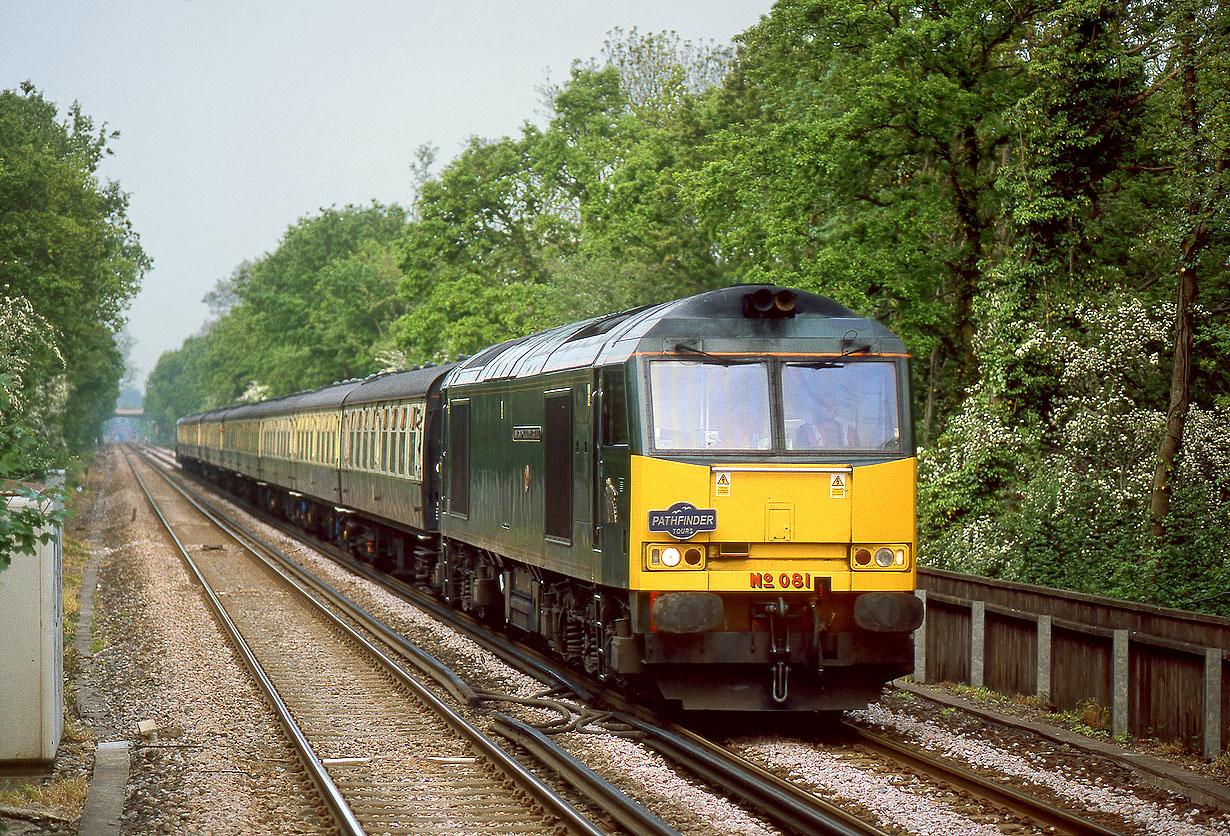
x,y
840,406
710,406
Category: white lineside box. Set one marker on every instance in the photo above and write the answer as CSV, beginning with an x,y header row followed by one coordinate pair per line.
x,y
31,652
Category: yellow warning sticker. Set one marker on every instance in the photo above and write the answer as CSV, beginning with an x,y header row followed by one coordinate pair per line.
x,y
723,485
837,486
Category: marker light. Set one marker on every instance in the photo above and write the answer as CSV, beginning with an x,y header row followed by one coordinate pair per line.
x,y
671,556
885,558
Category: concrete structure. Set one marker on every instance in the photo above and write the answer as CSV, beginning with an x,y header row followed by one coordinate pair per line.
x,y
31,652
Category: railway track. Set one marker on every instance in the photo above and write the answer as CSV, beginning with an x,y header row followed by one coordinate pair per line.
x,y
385,753
757,786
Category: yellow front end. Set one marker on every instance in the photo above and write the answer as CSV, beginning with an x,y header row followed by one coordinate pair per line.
x,y
776,527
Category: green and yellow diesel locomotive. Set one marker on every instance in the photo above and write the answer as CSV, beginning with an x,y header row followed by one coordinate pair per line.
x,y
712,497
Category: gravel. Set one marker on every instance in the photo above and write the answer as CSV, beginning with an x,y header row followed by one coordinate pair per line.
x,y
1088,784
218,765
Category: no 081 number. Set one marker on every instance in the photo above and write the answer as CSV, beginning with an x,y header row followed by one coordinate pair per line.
x,y
784,580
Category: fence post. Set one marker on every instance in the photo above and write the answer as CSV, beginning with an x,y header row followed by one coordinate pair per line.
x,y
1044,659
1119,680
977,643
920,642
1212,702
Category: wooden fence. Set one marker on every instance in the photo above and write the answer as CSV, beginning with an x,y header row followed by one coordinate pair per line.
x,y
1160,672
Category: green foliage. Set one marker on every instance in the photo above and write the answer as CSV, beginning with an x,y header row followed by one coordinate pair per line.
x,y
67,247
22,529
864,161
1051,486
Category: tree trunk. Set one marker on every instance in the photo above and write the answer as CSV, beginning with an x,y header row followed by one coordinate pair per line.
x,y
1180,395
1193,245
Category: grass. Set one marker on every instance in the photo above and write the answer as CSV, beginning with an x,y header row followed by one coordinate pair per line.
x,y
76,556
65,795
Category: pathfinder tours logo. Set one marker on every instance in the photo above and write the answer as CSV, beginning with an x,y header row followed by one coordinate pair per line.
x,y
682,520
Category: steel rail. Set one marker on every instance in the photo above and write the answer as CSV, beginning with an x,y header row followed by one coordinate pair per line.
x,y
425,662
632,816
546,671
330,794
575,821
1007,798
787,804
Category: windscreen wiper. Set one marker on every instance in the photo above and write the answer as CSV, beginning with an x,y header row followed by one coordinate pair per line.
x,y
684,348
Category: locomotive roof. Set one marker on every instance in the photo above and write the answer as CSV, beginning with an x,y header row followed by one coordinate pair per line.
x,y
714,322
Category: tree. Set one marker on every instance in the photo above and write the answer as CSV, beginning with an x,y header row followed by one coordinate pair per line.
x,y
1201,109
864,161
475,263
66,245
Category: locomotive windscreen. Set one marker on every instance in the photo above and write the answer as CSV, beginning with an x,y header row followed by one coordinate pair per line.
x,y
807,406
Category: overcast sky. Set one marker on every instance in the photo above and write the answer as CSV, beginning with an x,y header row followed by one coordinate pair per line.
x,y
238,117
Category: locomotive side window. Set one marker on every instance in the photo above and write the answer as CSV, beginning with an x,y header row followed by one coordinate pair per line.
x,y
840,406
710,406
557,476
614,407
459,451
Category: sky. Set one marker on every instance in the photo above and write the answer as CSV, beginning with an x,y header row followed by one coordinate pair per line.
x,y
239,117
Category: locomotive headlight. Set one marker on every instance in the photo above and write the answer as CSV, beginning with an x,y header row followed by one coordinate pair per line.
x,y
671,556
874,557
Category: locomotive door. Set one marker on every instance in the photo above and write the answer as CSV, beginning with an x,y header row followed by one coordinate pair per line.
x,y
611,466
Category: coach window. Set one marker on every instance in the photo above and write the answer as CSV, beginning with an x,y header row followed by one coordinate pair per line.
x,y
382,436
400,439
418,418
365,441
371,438
386,436
406,445
352,441
557,476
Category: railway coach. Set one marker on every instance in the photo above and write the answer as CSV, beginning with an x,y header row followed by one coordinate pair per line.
x,y
712,497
